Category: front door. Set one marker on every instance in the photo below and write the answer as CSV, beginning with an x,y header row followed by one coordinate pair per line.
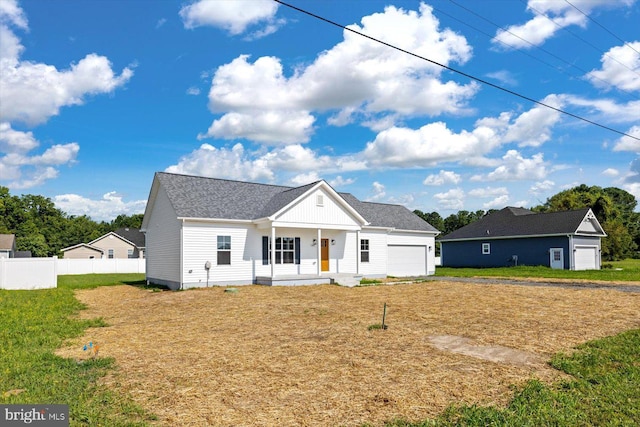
x,y
324,255
556,258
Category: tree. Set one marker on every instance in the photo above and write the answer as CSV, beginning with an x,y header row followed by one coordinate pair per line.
x,y
459,220
432,218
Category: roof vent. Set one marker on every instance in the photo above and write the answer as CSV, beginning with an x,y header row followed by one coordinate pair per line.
x,y
488,232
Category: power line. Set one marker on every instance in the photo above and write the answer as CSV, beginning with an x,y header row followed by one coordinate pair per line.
x,y
495,86
602,26
580,38
537,47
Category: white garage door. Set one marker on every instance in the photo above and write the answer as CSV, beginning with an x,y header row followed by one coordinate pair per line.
x,y
586,257
407,261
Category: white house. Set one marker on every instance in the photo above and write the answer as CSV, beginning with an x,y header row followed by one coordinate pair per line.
x,y
205,231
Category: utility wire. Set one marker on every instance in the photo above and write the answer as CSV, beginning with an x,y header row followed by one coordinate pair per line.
x,y
580,38
537,47
495,86
602,26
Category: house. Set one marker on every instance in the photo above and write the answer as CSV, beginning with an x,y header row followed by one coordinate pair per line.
x,y
567,240
206,231
122,243
7,245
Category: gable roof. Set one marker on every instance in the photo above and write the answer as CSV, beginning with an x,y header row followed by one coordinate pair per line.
x,y
82,245
133,235
512,222
7,242
213,198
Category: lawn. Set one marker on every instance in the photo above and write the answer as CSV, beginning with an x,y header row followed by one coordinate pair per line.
x,y
616,271
33,324
309,356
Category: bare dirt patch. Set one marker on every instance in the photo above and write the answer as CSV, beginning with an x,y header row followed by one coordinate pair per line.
x,y
304,355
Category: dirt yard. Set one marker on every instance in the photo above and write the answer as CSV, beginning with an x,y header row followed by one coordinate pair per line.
x,y
304,356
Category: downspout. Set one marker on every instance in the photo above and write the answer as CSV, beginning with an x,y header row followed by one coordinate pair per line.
x,y
358,249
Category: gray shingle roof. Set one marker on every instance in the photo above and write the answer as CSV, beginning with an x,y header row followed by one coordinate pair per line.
x,y
200,197
134,235
520,222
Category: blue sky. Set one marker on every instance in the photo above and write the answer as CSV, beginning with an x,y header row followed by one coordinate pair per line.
x,y
96,96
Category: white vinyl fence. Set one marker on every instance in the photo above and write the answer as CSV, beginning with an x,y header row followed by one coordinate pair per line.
x,y
28,273
42,273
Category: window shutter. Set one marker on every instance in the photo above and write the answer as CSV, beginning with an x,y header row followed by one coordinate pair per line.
x,y
297,248
265,250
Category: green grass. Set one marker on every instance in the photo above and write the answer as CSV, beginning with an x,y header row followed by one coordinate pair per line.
x,y
33,324
604,391
620,271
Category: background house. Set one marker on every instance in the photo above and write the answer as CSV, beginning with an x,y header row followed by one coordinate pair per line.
x,y
205,231
122,243
7,245
516,236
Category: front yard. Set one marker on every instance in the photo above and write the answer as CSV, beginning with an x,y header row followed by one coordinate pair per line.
x,y
307,355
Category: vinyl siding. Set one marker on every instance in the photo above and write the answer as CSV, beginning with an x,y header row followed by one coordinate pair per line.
x,y
307,211
377,265
530,251
82,252
163,243
119,246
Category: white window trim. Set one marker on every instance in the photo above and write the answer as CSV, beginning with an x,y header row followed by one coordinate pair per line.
x,y
486,249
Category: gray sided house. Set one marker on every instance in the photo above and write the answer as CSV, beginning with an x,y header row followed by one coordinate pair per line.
x,y
206,231
567,240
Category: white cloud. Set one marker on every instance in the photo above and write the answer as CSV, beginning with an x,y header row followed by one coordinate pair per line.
x,y
443,177
452,199
20,169
110,206
620,68
533,128
550,17
503,76
611,172
232,16
488,192
305,178
607,108
542,187
432,143
379,192
232,163
497,203
339,181
359,79
12,14
516,168
629,144
193,91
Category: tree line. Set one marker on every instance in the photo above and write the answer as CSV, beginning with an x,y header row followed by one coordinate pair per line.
x,y
43,229
614,208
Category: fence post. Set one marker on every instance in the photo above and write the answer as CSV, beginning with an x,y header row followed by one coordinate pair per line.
x,y
3,274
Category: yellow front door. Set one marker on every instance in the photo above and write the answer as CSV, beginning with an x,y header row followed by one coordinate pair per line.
x,y
324,255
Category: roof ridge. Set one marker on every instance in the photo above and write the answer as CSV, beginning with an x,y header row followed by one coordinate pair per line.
x,y
226,180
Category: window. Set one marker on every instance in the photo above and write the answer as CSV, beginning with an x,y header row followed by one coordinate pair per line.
x,y
364,250
486,248
129,253
110,254
287,250
224,250
319,200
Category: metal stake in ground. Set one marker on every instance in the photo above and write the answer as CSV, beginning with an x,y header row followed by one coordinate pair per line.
x,y
384,314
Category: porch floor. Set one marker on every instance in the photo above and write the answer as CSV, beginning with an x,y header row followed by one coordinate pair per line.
x,y
344,279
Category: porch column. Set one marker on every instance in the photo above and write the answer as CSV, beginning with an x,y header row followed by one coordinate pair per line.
x,y
319,252
273,250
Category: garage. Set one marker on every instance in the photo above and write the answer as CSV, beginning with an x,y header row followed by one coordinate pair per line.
x,y
406,260
586,258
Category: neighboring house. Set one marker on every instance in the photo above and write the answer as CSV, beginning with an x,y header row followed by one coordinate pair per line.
x,y
567,240
206,231
122,243
7,245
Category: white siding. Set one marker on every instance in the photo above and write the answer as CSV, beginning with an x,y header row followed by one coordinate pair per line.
x,y
307,211
377,265
163,242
